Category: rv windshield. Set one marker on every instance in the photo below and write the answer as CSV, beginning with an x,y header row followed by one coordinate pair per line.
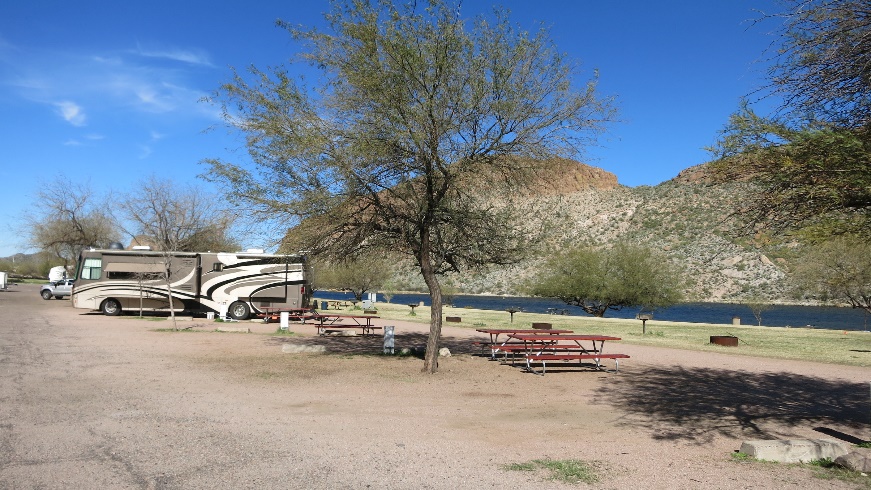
x,y
92,269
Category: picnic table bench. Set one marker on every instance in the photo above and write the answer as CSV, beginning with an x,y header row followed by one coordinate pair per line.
x,y
540,348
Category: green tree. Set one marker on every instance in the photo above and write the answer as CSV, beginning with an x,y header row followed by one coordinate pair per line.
x,y
419,121
359,275
821,62
610,279
840,270
814,176
812,158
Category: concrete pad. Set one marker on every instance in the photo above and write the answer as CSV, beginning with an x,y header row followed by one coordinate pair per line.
x,y
233,329
795,451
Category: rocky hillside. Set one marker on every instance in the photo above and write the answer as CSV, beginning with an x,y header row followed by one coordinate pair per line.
x,y
687,218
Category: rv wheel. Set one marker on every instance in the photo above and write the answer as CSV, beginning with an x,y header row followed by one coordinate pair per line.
x,y
111,307
239,311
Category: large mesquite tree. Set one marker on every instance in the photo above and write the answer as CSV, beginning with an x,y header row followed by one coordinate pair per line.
x,y
813,157
420,120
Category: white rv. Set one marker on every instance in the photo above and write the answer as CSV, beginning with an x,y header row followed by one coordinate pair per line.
x,y
236,284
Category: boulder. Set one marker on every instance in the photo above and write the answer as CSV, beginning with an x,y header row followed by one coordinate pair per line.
x,y
859,459
795,451
444,352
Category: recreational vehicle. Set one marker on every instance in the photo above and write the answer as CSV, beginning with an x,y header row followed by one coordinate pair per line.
x,y
233,284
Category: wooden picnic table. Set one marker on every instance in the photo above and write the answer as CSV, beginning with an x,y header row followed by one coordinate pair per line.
x,y
542,348
324,322
494,334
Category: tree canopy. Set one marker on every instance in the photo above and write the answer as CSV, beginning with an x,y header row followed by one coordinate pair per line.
x,y
822,61
361,275
67,218
838,270
418,114
176,218
816,175
812,158
610,279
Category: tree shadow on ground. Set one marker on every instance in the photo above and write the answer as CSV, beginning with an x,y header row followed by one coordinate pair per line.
x,y
374,344
697,404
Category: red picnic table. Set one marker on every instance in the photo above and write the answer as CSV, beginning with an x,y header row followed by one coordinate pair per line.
x,y
506,346
329,321
543,348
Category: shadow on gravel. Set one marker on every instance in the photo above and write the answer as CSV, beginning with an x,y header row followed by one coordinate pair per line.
x,y
374,344
695,405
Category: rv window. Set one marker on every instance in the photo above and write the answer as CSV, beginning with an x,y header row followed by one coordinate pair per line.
x,y
217,267
92,268
139,276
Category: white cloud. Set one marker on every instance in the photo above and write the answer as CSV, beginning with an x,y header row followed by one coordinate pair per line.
x,y
144,152
108,83
191,56
71,112
72,143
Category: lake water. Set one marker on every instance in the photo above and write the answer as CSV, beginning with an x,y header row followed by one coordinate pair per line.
x,y
827,317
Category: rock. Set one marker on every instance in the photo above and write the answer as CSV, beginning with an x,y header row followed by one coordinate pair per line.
x,y
731,262
795,451
859,459
405,351
444,352
303,349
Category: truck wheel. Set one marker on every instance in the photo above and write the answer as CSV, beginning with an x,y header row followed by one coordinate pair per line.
x,y
239,311
111,307
46,294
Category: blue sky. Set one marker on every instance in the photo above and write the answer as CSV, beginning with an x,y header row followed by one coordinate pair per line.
x,y
108,93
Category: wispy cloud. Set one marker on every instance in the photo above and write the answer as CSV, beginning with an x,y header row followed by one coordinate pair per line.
x,y
144,151
106,82
191,56
71,112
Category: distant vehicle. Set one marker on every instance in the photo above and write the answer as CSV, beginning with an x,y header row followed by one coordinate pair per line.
x,y
57,289
233,284
57,273
3,278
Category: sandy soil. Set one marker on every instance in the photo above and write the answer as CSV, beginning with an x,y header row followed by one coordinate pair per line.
x,y
88,401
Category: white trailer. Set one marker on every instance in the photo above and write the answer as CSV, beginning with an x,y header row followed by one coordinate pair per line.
x,y
235,284
4,278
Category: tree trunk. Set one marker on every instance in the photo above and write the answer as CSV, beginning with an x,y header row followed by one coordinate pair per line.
x,y
171,308
431,360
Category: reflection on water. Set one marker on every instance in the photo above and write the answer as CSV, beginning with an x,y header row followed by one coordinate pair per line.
x,y
827,317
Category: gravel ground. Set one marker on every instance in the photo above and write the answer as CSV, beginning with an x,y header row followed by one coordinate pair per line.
x,y
88,401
